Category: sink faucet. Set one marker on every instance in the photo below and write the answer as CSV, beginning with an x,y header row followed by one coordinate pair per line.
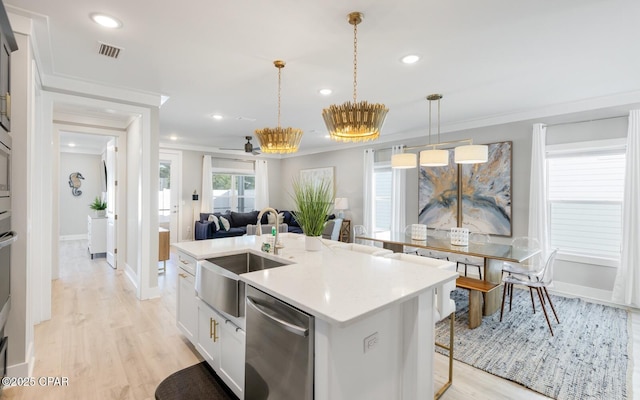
x,y
259,227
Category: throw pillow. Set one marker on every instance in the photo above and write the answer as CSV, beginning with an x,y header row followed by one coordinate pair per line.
x,y
225,223
272,219
243,219
214,219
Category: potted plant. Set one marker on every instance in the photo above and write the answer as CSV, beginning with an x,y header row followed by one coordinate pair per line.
x,y
313,203
99,206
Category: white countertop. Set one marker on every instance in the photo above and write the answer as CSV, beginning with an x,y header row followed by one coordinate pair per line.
x,y
336,285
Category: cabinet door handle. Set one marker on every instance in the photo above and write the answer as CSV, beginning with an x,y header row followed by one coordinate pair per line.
x,y
215,331
182,275
184,262
211,328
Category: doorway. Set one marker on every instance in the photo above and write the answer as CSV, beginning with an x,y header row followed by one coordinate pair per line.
x,y
169,189
91,159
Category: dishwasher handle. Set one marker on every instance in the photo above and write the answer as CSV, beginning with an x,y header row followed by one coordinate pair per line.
x,y
295,329
7,239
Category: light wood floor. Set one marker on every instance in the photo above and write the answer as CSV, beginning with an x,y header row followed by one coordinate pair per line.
x,y
112,346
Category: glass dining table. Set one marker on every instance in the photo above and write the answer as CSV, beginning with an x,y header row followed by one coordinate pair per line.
x,y
494,254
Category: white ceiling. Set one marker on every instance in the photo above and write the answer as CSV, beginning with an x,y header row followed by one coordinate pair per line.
x,y
494,61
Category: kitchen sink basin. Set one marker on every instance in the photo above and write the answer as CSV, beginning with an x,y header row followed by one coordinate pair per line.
x,y
218,283
244,262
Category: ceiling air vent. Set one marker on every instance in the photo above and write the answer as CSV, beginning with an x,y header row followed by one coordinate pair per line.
x,y
109,50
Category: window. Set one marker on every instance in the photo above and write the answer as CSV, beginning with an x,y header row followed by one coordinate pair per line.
x,y
233,192
382,200
585,192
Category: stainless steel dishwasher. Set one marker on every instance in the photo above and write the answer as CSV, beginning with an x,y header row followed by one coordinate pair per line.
x,y
279,353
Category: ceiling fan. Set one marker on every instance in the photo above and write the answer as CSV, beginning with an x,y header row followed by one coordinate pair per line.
x,y
248,147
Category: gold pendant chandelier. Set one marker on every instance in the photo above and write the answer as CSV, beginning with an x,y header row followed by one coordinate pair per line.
x,y
355,122
279,140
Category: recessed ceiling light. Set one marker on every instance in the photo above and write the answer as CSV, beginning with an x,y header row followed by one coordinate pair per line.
x,y
105,20
72,145
216,116
410,59
327,136
173,137
325,92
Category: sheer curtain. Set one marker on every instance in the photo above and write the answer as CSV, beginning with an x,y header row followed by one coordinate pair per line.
x,y
626,289
398,194
207,182
262,184
538,220
368,194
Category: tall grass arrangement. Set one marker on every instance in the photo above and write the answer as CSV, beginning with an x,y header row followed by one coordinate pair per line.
x,y
313,202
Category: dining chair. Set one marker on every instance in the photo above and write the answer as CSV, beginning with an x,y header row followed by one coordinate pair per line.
x,y
538,281
476,238
440,234
359,230
443,307
528,266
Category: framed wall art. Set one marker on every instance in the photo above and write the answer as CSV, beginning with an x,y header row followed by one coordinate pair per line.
x,y
317,175
485,192
438,196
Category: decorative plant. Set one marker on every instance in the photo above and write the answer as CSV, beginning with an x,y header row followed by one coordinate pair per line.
x,y
98,204
313,202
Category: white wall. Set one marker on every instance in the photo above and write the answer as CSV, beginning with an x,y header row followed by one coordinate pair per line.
x,y
19,326
74,209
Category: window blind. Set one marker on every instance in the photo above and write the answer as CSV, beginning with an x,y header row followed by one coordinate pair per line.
x,y
585,202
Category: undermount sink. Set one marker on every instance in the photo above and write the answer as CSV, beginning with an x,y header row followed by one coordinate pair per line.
x,y
218,283
244,262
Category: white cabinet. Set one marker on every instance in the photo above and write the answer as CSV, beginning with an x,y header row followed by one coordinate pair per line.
x,y
187,306
222,343
232,357
208,343
97,234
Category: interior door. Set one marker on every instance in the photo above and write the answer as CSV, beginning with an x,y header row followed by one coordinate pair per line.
x,y
110,169
169,194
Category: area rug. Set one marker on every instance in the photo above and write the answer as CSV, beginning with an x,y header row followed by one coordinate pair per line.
x,y
588,358
197,382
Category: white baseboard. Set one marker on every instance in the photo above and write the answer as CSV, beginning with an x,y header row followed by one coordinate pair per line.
x,y
74,237
152,293
132,275
587,293
23,369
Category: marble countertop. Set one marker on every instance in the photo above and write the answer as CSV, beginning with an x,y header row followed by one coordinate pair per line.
x,y
339,286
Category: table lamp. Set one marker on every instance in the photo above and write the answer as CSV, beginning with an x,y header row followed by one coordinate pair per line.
x,y
341,204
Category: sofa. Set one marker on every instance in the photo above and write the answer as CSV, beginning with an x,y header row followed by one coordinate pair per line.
x,y
206,227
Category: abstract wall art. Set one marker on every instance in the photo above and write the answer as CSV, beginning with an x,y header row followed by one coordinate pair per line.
x,y
486,192
472,196
438,196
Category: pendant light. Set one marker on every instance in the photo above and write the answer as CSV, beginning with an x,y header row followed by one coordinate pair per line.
x,y
357,121
279,140
434,157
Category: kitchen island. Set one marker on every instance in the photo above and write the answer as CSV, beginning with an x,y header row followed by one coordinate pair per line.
x,y
373,316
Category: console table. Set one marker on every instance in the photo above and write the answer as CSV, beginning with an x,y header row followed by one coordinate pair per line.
x,y
97,235
163,249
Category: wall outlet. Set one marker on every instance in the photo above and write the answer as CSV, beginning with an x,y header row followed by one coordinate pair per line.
x,y
370,342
